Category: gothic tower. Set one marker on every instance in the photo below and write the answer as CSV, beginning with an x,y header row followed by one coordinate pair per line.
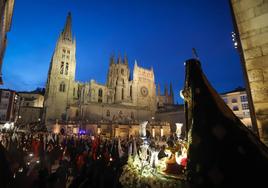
x,y
60,87
144,89
171,94
118,79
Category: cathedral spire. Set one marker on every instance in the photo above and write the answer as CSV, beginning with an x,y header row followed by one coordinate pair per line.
x,y
166,90
112,61
119,59
67,31
136,63
158,89
125,59
171,90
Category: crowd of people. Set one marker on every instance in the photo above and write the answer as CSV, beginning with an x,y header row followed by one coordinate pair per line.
x,y
58,160
49,160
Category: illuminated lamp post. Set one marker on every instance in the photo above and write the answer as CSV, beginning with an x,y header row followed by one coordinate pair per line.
x,y
153,132
98,130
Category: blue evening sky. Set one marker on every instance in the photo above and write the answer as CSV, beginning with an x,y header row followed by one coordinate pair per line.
x,y
158,33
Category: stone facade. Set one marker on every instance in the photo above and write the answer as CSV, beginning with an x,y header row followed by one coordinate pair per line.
x,y
166,98
120,99
237,101
61,88
6,13
251,20
33,99
9,106
172,114
31,107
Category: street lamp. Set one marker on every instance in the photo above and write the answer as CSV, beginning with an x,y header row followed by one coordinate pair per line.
x,y
234,39
99,131
153,132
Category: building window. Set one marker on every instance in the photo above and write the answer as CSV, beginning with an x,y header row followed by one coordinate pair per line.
x,y
68,51
245,106
108,113
234,100
235,108
130,92
66,68
74,92
122,93
64,51
122,71
7,95
89,92
61,67
3,117
100,92
225,100
246,114
132,115
100,95
62,87
243,98
67,57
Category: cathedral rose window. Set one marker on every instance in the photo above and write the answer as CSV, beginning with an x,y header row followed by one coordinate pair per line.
x,y
144,91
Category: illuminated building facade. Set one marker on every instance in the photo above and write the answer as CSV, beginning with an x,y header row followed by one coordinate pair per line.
x,y
250,21
121,100
9,106
6,13
237,100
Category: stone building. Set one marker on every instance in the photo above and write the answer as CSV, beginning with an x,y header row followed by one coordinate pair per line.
x,y
166,98
61,88
6,13
31,107
172,114
9,106
250,20
237,101
120,100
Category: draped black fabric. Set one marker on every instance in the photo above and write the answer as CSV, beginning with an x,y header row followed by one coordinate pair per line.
x,y
222,151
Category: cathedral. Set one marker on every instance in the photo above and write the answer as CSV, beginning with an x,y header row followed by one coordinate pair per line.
x,y
120,99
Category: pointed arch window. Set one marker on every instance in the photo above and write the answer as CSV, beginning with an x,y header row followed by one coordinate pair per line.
x,y
100,96
61,67
130,91
108,113
66,68
78,92
100,92
62,87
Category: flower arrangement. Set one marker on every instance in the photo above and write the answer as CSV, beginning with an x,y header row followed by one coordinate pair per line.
x,y
137,175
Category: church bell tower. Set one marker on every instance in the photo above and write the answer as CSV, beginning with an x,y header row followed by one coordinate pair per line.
x,y
60,86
